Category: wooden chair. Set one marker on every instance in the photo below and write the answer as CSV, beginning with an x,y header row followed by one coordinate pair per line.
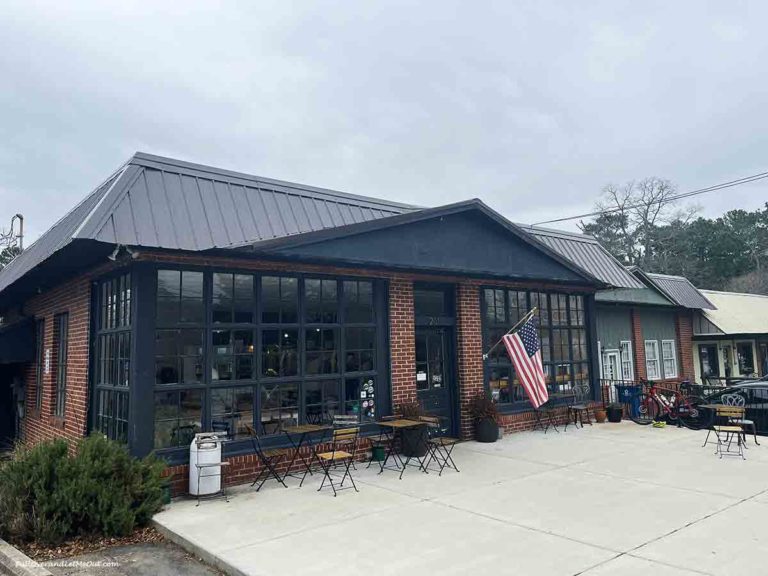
x,y
270,460
725,432
440,447
342,454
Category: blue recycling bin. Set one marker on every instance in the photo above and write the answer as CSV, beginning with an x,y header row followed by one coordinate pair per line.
x,y
629,395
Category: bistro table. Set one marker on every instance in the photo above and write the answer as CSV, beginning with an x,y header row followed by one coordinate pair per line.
x,y
395,426
300,436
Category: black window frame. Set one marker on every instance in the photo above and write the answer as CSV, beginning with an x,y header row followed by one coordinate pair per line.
x,y
61,343
112,363
39,363
341,377
551,324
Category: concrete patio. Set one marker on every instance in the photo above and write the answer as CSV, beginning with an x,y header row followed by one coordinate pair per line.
x,y
608,499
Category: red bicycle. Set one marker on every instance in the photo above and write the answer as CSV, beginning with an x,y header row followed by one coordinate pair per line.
x,y
676,406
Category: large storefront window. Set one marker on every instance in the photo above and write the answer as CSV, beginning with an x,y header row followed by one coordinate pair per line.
x,y
113,354
235,350
562,332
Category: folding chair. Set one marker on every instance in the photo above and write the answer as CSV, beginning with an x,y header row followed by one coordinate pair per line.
x,y
546,410
739,401
385,440
579,406
342,453
725,432
440,447
270,460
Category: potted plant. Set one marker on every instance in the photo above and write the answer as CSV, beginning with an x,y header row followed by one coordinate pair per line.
x,y
483,411
600,414
414,440
614,410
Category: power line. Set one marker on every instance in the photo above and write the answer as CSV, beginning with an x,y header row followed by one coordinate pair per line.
x,y
722,186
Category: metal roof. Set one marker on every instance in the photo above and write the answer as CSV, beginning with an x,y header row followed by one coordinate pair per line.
x,y
587,253
159,202
680,290
177,205
57,237
738,313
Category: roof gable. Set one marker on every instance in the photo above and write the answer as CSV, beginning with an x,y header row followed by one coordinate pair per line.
x,y
467,238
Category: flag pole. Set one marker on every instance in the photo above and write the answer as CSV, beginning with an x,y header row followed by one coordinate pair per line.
x,y
522,320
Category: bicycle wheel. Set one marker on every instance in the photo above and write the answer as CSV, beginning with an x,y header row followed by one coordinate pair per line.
x,y
691,416
647,411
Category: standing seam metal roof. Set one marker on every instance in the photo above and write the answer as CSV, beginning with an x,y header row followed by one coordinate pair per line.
x,y
680,290
159,202
586,252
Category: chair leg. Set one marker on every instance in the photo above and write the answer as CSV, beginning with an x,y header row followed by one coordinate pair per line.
x,y
754,433
707,438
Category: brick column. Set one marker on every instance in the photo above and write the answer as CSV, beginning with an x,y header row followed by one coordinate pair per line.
x,y
684,329
402,341
639,345
469,351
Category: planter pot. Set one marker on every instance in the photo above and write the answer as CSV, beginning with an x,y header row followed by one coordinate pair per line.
x,y
414,441
600,415
486,430
614,414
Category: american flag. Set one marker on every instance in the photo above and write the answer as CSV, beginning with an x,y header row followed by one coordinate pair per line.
x,y
525,351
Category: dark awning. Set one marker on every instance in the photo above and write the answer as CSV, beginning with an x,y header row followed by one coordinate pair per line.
x,y
17,342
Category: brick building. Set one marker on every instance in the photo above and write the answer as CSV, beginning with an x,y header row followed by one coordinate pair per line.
x,y
179,298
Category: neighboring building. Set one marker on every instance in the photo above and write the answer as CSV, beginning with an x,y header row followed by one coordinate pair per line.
x,y
178,298
643,321
731,341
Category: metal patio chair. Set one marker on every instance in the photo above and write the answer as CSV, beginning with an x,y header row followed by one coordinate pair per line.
x,y
724,433
545,412
342,454
270,460
385,439
440,447
579,406
739,401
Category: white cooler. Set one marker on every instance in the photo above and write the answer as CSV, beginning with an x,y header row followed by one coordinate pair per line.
x,y
205,449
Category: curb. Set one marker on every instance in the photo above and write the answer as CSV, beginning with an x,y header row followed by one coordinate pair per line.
x,y
197,551
15,563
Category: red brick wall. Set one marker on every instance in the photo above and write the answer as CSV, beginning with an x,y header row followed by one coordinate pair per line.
x,y
74,297
684,329
469,351
402,338
639,345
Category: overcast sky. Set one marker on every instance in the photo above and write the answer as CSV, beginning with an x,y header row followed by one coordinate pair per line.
x,y
531,106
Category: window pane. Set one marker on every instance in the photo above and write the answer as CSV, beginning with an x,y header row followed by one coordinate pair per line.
x,y
168,296
243,305
223,297
232,410
223,357
279,350
321,351
191,297
279,300
320,301
518,305
279,406
430,302
500,383
360,344
321,401
358,302
360,398
177,417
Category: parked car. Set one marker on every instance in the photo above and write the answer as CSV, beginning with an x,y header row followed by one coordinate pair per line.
x,y
755,393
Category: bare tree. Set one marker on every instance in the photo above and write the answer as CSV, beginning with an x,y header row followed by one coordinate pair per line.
x,y
631,215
